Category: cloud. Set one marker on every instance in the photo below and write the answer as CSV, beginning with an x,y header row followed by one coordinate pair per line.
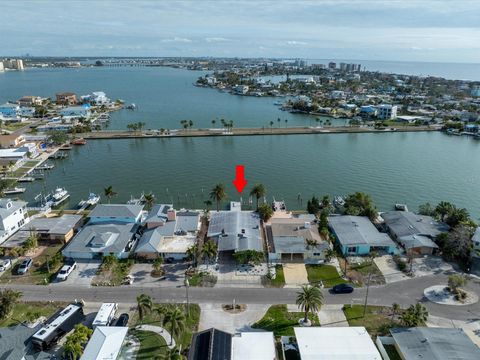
x,y
216,39
177,39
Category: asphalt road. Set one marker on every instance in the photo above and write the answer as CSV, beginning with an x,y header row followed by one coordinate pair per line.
x,y
404,293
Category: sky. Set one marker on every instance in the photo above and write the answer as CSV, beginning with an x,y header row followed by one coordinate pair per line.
x,y
408,30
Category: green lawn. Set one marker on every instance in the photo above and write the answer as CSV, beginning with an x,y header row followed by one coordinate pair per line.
x,y
377,319
38,273
191,324
279,280
280,321
328,274
152,345
26,311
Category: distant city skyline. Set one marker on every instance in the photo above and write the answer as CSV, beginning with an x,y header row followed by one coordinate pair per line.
x,y
430,30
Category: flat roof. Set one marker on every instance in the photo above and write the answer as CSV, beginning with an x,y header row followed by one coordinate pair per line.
x,y
54,225
105,343
342,343
253,345
156,242
435,344
358,230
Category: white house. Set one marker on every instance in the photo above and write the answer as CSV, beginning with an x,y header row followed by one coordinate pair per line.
x,y
387,112
241,89
106,343
13,215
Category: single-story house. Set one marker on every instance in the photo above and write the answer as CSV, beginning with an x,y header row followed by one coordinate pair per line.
x,y
94,241
15,344
106,343
356,235
75,111
57,229
411,229
118,213
9,111
213,344
332,343
235,230
292,239
434,344
159,215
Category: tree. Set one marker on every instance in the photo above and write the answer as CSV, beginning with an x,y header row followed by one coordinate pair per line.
x,y
360,204
209,250
309,299
329,254
457,245
176,319
76,341
32,241
109,193
455,282
172,354
57,137
323,224
8,299
218,194
144,305
265,211
426,209
149,200
109,261
415,315
157,265
192,254
249,257
258,191
313,205
457,216
443,209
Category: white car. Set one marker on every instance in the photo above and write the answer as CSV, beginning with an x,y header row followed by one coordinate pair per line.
x,y
65,271
5,264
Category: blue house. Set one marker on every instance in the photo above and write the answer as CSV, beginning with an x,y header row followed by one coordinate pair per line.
x,y
76,111
9,110
356,235
116,213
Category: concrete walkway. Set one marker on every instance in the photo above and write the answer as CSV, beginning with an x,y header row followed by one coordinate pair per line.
x,y
212,315
295,275
160,331
332,316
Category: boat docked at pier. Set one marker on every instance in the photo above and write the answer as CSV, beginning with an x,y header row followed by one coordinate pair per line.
x,y
26,179
59,196
80,141
46,166
92,200
14,190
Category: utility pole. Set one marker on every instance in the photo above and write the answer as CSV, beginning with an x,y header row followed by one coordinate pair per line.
x,y
187,285
366,295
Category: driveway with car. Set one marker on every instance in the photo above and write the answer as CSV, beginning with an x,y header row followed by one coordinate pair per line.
x,y
83,273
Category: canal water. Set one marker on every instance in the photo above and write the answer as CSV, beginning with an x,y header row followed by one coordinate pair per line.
x,y
410,168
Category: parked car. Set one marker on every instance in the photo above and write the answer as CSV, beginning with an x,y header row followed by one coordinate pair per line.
x,y
25,266
5,264
169,260
66,270
122,320
127,280
342,289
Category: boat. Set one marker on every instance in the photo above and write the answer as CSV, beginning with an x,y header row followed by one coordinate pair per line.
x,y
59,155
26,179
59,196
401,207
15,190
132,106
338,201
38,176
134,201
66,147
92,200
46,166
80,141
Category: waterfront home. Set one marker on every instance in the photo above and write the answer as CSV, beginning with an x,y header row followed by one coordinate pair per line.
x,y
387,111
97,98
11,141
116,213
13,215
9,111
356,235
431,343
94,241
29,101
26,111
293,239
16,343
335,343
169,233
106,343
368,111
216,344
14,157
76,112
241,89
55,126
414,232
66,98
235,230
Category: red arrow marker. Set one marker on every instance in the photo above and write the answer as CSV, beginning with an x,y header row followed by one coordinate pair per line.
x,y
240,181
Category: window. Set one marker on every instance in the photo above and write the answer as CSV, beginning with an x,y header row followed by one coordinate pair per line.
x,y
352,249
316,254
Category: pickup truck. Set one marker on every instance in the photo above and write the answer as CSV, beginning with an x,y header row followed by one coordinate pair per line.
x,y
66,270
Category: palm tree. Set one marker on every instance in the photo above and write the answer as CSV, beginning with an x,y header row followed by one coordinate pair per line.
x,y
286,122
192,254
109,193
149,200
172,354
157,265
144,305
443,209
278,120
309,300
209,250
258,191
415,315
218,194
213,123
176,319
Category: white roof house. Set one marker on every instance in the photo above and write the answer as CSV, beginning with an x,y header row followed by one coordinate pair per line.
x,y
335,343
253,345
105,343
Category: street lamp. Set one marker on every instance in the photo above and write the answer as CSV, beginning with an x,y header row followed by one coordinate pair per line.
x,y
187,285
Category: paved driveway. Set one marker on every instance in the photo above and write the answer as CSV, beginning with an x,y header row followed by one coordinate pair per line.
x,y
389,270
83,274
295,274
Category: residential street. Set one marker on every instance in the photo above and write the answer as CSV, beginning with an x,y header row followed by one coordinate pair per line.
x,y
403,292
